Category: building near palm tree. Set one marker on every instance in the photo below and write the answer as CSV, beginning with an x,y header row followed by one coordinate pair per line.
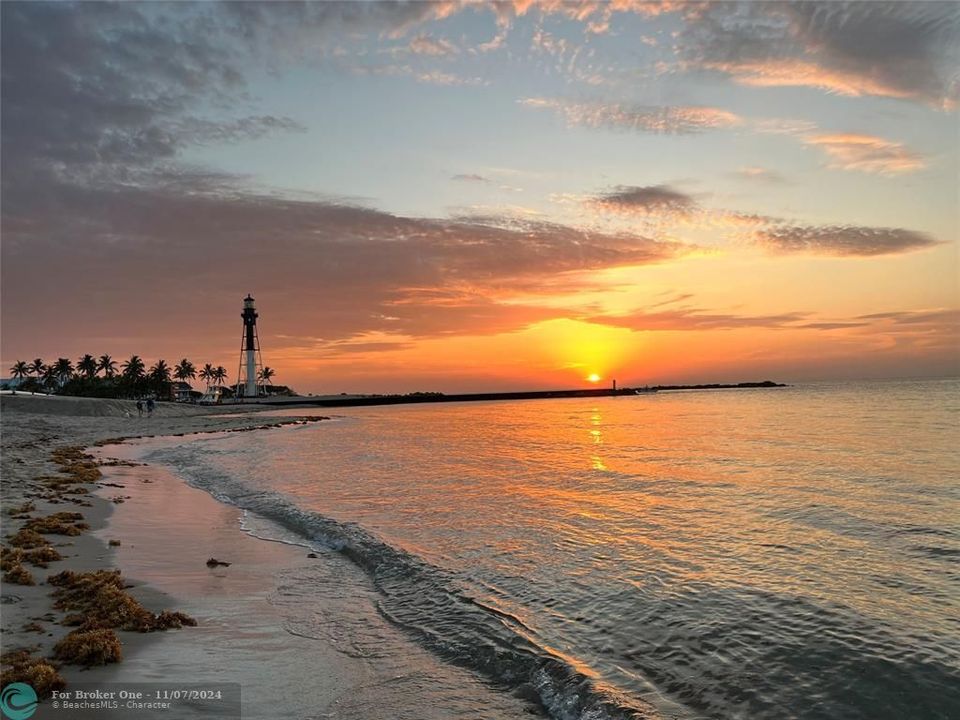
x,y
184,392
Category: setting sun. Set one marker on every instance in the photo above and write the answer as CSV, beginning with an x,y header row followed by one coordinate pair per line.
x,y
593,378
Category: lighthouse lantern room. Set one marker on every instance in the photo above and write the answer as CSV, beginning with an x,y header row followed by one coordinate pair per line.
x,y
250,362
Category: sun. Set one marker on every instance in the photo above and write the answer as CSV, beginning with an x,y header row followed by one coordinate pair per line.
x,y
594,378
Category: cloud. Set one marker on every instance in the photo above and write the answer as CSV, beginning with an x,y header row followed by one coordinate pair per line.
x,y
760,175
470,177
334,270
782,126
435,77
842,240
826,325
917,317
199,131
653,200
659,208
674,120
124,84
595,15
688,319
429,77
920,330
897,50
867,153
424,44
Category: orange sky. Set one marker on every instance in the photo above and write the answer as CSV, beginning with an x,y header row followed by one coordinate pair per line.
x,y
445,196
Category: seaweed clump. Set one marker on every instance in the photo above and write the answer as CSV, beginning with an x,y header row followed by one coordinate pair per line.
x,y
89,647
61,523
99,600
41,556
10,557
11,563
18,575
27,539
39,673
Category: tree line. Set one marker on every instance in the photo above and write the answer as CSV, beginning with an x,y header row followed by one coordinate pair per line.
x,y
104,377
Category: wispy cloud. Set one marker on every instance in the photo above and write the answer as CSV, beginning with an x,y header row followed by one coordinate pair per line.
x,y
760,175
696,319
867,153
897,50
842,240
430,77
658,208
671,119
470,177
424,44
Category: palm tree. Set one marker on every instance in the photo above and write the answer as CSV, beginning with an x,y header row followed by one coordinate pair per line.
x,y
63,369
185,371
220,374
266,374
108,365
19,370
207,374
160,378
88,366
160,371
134,369
36,367
133,373
49,377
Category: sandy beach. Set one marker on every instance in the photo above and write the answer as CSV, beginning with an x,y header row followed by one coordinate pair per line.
x,y
33,428
255,627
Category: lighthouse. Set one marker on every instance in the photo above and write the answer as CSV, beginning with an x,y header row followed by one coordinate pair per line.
x,y
250,364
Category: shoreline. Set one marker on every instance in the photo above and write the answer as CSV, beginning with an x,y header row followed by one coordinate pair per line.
x,y
43,440
288,604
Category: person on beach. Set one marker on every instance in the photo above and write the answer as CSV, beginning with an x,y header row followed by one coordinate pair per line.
x,y
139,408
149,407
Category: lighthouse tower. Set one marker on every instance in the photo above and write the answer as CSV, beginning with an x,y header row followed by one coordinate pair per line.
x,y
250,363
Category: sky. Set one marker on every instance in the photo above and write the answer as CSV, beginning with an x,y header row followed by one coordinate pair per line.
x,y
475,196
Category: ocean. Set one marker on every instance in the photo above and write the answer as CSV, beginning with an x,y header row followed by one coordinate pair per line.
x,y
776,553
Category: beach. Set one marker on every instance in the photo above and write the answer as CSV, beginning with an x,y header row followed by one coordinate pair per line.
x,y
164,531
34,427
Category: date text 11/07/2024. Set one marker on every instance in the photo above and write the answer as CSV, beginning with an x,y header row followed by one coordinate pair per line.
x,y
137,695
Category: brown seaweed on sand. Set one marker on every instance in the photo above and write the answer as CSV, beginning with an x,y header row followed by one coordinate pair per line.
x,y
41,556
100,600
89,647
38,673
61,523
18,575
27,539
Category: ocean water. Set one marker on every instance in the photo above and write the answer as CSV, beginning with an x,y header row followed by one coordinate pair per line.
x,y
781,553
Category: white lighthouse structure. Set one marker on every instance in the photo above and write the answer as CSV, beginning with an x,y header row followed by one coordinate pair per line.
x,y
250,362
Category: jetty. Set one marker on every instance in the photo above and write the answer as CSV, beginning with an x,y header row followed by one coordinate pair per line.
x,y
346,400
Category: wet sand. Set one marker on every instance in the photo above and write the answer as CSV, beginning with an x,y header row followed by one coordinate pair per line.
x,y
34,426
